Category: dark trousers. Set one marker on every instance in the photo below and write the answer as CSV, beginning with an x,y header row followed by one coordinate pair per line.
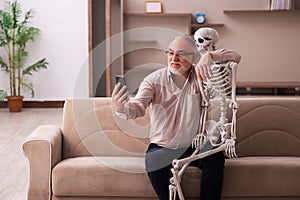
x,y
159,164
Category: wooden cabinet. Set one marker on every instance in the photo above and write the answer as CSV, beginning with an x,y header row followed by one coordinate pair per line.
x,y
114,42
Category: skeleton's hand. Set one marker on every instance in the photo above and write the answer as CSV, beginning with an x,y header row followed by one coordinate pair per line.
x,y
230,148
119,98
203,69
233,104
199,141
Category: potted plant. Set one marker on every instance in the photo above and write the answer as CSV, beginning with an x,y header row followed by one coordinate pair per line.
x,y
3,95
15,33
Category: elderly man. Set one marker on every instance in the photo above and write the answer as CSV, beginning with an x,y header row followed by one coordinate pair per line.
x,y
173,95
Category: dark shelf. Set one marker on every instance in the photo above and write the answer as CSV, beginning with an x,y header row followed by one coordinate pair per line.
x,y
194,27
268,88
205,25
260,11
158,15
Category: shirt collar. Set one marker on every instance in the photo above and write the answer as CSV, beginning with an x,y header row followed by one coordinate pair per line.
x,y
191,74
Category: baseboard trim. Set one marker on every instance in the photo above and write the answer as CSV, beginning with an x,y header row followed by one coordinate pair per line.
x,y
38,104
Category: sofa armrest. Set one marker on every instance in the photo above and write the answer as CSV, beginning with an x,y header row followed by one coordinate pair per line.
x,y
43,149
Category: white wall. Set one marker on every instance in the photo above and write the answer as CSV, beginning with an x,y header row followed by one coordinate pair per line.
x,y
64,43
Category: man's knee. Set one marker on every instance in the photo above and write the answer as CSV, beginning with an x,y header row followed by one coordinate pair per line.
x,y
216,160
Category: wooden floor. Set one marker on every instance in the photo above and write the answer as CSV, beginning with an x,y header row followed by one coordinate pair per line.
x,y
14,129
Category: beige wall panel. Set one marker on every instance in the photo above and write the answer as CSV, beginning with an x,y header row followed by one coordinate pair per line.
x,y
268,41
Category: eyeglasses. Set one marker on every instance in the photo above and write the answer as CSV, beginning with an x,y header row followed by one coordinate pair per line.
x,y
178,53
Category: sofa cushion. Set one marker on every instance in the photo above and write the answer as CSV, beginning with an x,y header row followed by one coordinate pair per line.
x,y
262,176
101,176
125,176
252,177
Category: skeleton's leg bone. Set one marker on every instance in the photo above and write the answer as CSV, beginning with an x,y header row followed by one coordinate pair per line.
x,y
186,164
172,192
190,159
175,181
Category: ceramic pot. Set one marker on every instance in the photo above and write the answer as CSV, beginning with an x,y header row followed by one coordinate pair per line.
x,y
15,103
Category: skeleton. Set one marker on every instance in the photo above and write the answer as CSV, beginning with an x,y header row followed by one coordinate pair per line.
x,y
217,135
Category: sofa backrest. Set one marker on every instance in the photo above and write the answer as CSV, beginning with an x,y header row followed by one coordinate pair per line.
x,y
91,128
266,126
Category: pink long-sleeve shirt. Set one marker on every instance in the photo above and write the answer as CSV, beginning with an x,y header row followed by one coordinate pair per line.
x,y
174,112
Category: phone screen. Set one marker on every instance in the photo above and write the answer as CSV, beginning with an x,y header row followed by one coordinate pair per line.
x,y
121,79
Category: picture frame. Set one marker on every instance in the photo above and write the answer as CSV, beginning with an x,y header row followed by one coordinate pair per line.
x,y
153,7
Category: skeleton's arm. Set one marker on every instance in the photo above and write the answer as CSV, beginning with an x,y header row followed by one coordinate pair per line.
x,y
233,103
200,140
230,148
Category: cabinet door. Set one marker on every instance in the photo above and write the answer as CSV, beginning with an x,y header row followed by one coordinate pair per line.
x,y
114,42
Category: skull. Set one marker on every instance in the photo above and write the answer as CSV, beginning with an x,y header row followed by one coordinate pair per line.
x,y
206,38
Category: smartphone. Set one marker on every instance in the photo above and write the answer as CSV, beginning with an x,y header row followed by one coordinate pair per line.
x,y
121,79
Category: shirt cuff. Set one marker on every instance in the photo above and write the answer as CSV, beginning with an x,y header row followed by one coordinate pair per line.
x,y
124,114
121,115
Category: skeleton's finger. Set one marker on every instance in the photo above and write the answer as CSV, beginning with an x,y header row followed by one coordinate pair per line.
x,y
227,151
231,151
234,153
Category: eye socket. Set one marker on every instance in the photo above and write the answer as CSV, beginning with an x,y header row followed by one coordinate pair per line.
x,y
200,40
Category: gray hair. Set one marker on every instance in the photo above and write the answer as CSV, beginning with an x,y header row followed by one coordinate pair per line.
x,y
189,39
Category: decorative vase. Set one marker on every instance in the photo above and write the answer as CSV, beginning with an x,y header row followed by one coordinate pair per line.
x,y
15,103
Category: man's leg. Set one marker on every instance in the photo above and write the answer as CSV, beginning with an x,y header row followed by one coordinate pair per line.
x,y
212,176
160,180
158,166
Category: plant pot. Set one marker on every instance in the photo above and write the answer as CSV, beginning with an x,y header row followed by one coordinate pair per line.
x,y
15,103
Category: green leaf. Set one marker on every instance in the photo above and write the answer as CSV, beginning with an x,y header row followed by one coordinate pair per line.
x,y
16,12
7,20
3,64
26,34
3,95
41,64
28,86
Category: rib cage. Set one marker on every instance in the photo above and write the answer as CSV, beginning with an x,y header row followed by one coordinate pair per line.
x,y
220,82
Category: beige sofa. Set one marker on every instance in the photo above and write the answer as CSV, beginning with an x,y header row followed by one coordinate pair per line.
x,y
96,155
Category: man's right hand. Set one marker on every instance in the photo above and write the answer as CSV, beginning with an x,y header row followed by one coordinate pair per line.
x,y
119,98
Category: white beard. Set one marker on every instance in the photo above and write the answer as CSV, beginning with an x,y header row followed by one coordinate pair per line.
x,y
179,71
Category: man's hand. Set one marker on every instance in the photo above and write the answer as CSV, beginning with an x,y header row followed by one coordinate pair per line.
x,y
119,98
202,68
